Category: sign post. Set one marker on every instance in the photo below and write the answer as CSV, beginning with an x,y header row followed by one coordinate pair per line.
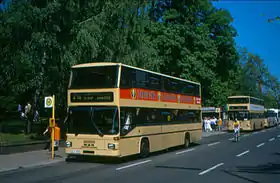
x,y
50,103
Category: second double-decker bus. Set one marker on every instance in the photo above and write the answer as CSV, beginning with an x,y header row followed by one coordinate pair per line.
x,y
118,110
249,111
271,117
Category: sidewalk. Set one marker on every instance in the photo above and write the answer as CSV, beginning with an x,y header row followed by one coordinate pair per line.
x,y
29,159
207,134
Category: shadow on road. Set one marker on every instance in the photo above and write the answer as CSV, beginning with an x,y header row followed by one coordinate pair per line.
x,y
239,176
109,160
179,168
270,168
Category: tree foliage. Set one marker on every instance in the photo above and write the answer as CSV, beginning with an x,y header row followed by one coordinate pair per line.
x,y
41,40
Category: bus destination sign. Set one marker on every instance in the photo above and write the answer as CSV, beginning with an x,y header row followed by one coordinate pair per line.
x,y
92,97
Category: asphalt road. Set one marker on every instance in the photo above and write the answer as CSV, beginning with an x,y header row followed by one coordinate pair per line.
x,y
255,159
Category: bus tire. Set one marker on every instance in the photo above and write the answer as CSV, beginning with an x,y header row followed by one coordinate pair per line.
x,y
144,148
187,140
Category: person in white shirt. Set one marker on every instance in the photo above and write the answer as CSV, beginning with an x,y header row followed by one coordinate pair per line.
x,y
208,125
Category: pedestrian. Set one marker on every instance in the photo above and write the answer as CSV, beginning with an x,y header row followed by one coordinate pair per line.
x,y
36,116
220,124
213,123
28,117
56,136
20,111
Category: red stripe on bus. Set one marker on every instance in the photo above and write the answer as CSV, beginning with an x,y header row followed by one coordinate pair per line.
x,y
151,95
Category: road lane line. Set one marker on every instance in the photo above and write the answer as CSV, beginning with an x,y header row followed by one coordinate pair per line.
x,y
231,139
246,135
135,164
260,145
215,143
241,154
278,136
271,139
255,132
188,150
210,169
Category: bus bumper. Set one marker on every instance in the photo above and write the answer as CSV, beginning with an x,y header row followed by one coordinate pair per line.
x,y
92,152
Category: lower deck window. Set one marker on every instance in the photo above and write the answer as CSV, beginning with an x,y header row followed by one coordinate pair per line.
x,y
131,117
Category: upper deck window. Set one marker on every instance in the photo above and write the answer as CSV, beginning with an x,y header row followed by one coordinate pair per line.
x,y
94,77
133,78
238,100
256,101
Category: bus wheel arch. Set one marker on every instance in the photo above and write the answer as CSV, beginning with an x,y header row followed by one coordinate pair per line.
x,y
187,140
144,149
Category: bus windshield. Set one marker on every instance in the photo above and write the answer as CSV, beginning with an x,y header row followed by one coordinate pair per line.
x,y
93,120
238,100
271,114
239,115
94,77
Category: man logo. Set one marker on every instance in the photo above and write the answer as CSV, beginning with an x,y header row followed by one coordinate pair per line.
x,y
159,96
133,93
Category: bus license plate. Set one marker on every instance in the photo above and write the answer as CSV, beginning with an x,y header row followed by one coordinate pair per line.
x,y
76,152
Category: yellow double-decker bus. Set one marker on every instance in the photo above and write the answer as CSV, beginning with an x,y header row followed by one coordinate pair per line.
x,y
118,110
271,117
249,111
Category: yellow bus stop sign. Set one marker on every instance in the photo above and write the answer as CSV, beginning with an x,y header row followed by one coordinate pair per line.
x,y
48,102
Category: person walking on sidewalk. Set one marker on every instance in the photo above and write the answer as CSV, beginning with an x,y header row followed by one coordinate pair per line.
x,y
56,136
220,124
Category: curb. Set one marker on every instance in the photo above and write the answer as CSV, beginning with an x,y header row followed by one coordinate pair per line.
x,y
213,134
32,165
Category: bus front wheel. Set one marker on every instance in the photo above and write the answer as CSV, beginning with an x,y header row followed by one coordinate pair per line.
x,y
144,148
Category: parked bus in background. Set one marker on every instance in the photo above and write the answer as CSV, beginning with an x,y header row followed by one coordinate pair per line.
x,y
249,111
271,117
118,110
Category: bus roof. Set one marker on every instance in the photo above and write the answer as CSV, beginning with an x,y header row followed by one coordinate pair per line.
x,y
243,96
94,64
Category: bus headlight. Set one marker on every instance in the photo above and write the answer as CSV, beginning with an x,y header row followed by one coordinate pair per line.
x,y
68,144
111,146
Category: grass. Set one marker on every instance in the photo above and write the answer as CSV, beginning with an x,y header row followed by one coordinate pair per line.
x,y
12,132
9,138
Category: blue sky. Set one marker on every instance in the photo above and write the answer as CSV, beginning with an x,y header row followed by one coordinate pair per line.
x,y
255,32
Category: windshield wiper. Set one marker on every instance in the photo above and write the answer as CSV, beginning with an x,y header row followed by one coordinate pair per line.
x,y
92,121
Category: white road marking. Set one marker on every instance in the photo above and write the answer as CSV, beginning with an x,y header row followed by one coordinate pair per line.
x,y
231,139
210,169
241,154
271,139
246,135
135,164
188,150
215,143
260,145
278,136
255,132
